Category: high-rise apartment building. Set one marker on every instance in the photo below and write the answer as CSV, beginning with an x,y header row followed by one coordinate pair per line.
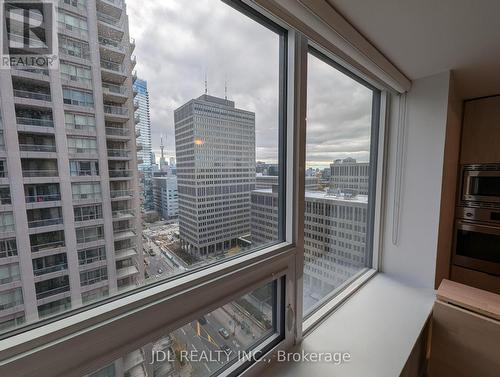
x,y
69,226
215,151
143,126
350,175
144,149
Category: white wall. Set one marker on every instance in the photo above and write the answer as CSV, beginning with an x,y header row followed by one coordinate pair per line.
x,y
413,259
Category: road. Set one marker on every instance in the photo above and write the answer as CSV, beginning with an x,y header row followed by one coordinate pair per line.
x,y
208,341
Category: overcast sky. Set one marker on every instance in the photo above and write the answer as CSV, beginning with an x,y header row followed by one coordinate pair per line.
x,y
178,42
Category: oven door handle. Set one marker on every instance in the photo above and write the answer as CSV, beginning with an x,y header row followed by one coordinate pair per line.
x,y
478,228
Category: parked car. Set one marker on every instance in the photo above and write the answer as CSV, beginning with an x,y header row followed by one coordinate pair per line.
x,y
223,332
202,320
226,349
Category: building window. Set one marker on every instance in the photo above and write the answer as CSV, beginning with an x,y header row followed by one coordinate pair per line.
x,y
80,168
89,234
340,156
78,97
87,213
86,191
73,72
91,255
93,276
8,248
79,121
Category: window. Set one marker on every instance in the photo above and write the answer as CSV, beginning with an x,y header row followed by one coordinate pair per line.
x,y
212,343
340,157
87,213
92,255
93,276
6,222
5,195
89,234
78,97
3,169
82,145
74,24
86,191
9,299
9,273
79,122
8,248
224,265
73,47
83,168
73,72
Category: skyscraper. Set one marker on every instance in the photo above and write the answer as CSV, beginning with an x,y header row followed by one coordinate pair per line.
x,y
215,151
69,230
144,124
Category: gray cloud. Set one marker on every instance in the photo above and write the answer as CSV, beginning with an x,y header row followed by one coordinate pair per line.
x,y
175,48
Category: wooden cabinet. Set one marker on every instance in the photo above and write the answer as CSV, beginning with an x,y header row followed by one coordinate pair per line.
x,y
465,336
481,131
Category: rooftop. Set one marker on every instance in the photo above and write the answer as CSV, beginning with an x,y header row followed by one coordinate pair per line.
x,y
325,196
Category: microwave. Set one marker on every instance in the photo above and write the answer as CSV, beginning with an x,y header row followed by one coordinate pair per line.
x,y
481,183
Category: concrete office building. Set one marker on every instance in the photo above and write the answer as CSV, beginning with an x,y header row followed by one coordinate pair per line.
x,y
215,152
69,226
165,197
348,174
334,238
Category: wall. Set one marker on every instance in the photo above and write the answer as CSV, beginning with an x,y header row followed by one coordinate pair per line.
x,y
413,258
449,188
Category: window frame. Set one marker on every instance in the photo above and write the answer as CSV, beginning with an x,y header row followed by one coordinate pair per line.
x,y
25,352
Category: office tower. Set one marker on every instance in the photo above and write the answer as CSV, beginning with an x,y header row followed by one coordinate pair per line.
x,y
69,226
215,151
165,197
334,235
350,176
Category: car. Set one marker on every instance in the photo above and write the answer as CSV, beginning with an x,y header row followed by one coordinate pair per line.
x,y
223,332
202,320
226,349
160,271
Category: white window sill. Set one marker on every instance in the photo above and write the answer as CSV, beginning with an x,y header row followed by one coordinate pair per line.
x,y
379,327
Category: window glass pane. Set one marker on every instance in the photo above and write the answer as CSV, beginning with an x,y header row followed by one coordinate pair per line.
x,y
338,165
211,100
209,344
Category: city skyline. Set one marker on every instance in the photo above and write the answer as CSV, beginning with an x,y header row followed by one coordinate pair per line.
x,y
190,56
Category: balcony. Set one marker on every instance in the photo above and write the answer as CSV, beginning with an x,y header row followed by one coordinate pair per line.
x,y
43,223
122,194
50,269
111,48
114,93
117,131
132,44
32,95
36,122
113,8
113,71
133,62
125,253
124,214
119,153
136,105
120,174
40,173
126,271
110,20
43,198
52,292
116,113
55,245
37,148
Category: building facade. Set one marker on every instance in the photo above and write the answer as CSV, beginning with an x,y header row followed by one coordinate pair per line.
x,y
69,226
165,196
215,152
144,149
350,175
334,235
